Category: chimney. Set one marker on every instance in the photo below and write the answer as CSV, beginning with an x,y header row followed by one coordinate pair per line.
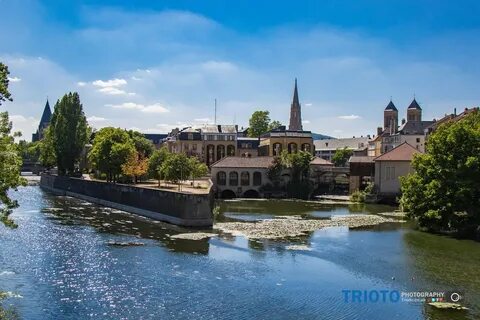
x,y
379,131
403,121
455,112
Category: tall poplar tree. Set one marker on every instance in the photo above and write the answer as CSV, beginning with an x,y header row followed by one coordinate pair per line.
x,y
69,131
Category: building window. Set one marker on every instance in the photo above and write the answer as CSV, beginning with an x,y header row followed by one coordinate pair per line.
x,y
220,152
245,178
418,140
277,149
230,150
292,147
190,136
257,178
306,147
233,178
221,178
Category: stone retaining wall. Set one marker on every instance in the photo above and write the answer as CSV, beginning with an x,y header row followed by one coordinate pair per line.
x,y
192,210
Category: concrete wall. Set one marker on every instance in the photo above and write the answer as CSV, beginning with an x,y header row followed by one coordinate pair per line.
x,y
184,209
389,182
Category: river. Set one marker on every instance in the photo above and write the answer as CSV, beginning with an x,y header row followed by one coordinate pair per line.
x,y
60,264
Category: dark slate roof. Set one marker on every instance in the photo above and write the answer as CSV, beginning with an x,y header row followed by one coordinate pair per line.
x,y
47,114
414,127
391,106
403,152
414,105
244,162
155,137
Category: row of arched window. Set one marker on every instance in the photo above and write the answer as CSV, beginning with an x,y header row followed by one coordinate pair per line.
x,y
221,152
233,178
292,148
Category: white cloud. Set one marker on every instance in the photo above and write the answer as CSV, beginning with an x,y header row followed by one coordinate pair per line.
x,y
152,108
135,78
14,79
308,104
350,117
110,83
96,119
115,91
306,121
81,84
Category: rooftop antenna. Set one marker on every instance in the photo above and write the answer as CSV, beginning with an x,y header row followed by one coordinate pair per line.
x,y
215,119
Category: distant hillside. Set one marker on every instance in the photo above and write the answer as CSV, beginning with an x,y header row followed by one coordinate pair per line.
x,y
318,136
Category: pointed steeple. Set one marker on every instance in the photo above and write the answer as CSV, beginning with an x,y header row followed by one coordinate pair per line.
x,y
47,115
414,105
295,112
391,106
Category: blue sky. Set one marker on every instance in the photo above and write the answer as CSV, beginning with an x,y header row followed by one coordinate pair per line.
x,y
155,65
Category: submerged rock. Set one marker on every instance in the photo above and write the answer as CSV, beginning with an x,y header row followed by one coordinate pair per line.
x,y
193,236
283,228
447,305
299,247
125,244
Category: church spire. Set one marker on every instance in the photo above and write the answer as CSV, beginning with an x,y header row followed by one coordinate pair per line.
x,y
295,112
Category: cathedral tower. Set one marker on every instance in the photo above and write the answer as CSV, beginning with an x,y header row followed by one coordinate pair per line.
x,y
390,118
295,112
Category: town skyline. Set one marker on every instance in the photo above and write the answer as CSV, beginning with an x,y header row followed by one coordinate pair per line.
x,y
159,67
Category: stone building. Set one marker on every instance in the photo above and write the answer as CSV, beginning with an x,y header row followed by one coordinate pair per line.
x,y
247,147
234,177
326,148
219,141
188,141
392,165
44,122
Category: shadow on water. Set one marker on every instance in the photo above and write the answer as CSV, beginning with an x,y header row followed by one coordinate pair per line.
x,y
71,211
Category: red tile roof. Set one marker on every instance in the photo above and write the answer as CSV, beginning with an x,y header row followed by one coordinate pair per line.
x,y
403,152
244,162
321,162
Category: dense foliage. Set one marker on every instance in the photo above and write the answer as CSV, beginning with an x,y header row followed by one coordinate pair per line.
x,y
111,148
68,129
155,162
176,168
443,193
10,158
260,123
341,156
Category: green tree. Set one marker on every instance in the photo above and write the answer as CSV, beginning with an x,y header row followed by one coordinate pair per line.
x,y
110,150
47,158
69,132
143,146
176,168
4,93
155,162
443,193
341,156
299,185
260,123
10,158
198,169
274,171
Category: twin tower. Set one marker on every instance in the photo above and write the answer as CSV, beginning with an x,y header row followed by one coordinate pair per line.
x,y
390,116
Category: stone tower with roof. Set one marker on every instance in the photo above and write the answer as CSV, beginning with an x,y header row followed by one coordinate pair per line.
x,y
414,112
44,122
295,112
390,118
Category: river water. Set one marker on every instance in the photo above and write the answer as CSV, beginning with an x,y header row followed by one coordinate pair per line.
x,y
60,264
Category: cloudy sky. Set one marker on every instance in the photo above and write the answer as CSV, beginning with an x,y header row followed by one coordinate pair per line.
x,y
157,66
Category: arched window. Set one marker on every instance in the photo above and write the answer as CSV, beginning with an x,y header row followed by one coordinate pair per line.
x,y
292,147
257,178
233,178
210,154
245,178
221,178
277,149
230,150
220,152
306,147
